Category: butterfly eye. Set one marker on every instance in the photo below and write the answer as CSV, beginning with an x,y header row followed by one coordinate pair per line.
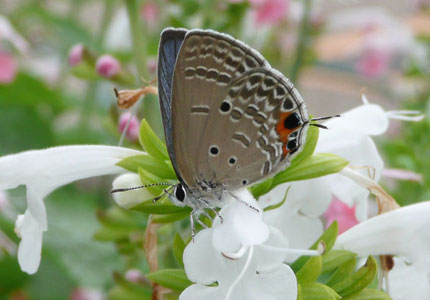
x,y
180,193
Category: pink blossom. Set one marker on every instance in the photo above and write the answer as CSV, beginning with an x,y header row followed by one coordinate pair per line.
x,y
133,128
8,68
134,275
150,13
76,54
107,66
373,63
86,294
341,212
269,11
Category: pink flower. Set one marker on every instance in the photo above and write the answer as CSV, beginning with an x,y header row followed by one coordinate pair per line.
x,y
134,275
269,11
341,212
76,54
107,66
133,128
373,63
8,68
150,13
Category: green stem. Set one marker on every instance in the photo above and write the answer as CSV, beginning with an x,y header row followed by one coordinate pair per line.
x,y
303,41
151,108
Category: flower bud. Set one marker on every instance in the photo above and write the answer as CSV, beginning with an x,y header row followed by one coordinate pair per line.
x,y
108,66
132,198
76,55
133,128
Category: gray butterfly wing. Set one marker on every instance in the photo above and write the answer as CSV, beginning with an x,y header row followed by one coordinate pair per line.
x,y
207,64
170,44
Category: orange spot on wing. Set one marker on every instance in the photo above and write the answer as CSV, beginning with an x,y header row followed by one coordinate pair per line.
x,y
283,132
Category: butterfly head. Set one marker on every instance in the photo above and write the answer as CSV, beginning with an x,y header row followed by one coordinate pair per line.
x,y
179,196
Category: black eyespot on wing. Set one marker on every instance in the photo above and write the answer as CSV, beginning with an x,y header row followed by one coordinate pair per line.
x,y
214,150
244,182
292,121
292,145
225,106
232,160
180,193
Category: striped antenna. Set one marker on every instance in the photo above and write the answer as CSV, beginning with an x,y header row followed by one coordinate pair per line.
x,y
139,187
321,119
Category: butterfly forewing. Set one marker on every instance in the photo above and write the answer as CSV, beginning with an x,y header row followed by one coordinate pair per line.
x,y
170,44
235,120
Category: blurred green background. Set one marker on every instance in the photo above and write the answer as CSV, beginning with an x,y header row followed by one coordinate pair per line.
x,y
329,49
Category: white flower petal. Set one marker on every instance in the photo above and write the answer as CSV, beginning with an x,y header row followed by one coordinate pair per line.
x,y
42,171
130,198
301,231
403,232
199,292
280,283
200,256
409,281
369,119
30,248
241,226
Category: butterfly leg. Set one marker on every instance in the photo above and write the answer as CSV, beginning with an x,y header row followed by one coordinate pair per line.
x,y
214,210
193,229
247,204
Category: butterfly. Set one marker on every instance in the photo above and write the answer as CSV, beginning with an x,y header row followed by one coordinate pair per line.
x,y
230,119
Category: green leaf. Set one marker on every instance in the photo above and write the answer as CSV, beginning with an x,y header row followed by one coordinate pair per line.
x,y
279,204
310,145
328,237
358,280
335,258
369,294
159,208
151,143
170,218
149,178
310,270
317,165
155,166
174,279
343,271
317,291
178,248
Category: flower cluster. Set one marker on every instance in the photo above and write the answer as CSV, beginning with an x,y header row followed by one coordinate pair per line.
x,y
261,252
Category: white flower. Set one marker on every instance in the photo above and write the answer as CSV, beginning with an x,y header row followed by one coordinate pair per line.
x,y
42,171
404,233
258,274
130,198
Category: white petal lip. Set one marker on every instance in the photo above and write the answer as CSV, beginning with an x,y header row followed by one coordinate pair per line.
x,y
404,232
42,171
242,225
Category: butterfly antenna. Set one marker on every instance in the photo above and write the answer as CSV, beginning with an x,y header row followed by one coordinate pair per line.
x,y
166,191
322,119
139,187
